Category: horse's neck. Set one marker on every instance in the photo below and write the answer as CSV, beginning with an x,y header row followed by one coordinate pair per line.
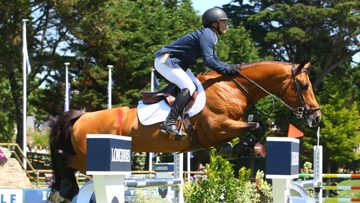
x,y
271,78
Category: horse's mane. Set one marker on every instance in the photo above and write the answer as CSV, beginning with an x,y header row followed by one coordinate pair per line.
x,y
251,64
248,65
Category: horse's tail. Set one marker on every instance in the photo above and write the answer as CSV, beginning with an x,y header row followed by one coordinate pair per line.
x,y
60,139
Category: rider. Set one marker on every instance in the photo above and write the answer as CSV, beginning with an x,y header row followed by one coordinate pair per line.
x,y
173,60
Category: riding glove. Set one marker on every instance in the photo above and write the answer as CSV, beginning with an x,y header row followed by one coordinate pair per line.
x,y
234,69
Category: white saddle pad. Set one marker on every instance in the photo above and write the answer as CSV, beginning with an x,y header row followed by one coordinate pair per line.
x,y
149,114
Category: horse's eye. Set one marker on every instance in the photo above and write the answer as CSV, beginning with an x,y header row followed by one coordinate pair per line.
x,y
304,86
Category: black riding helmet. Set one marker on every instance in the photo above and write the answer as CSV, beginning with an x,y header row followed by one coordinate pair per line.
x,y
213,15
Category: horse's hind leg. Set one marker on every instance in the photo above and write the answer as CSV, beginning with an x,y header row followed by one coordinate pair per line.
x,y
68,186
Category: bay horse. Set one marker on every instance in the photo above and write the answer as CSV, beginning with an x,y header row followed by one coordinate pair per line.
x,y
219,121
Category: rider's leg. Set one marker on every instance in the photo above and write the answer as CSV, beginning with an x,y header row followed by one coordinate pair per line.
x,y
169,126
179,77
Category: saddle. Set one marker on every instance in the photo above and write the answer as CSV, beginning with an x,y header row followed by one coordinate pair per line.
x,y
168,94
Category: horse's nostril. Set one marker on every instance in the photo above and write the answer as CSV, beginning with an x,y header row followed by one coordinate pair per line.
x,y
318,119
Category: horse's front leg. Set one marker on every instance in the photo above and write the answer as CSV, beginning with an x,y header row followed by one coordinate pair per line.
x,y
246,145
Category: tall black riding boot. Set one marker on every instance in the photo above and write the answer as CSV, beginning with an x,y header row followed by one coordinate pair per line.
x,y
169,126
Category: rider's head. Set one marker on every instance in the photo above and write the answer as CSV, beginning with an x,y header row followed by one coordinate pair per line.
x,y
215,18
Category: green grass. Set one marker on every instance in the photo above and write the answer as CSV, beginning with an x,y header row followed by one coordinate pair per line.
x,y
347,193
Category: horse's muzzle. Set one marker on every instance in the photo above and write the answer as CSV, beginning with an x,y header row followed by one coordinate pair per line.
x,y
313,117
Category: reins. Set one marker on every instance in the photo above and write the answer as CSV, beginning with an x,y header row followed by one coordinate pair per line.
x,y
300,112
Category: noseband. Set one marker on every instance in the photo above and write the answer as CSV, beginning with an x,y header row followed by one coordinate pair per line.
x,y
301,112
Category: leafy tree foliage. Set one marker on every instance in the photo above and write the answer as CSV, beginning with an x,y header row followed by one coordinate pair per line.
x,y
340,133
339,127
7,112
327,34
13,12
324,32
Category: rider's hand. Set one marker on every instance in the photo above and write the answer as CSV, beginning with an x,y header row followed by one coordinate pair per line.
x,y
234,69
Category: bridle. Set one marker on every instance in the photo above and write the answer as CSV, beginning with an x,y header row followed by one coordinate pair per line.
x,y
301,112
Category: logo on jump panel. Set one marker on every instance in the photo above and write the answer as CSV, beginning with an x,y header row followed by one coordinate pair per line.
x,y
120,155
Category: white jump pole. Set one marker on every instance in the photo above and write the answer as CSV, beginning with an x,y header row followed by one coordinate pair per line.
x,y
188,166
152,88
178,173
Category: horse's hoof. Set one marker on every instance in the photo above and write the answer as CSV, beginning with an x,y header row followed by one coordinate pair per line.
x,y
56,197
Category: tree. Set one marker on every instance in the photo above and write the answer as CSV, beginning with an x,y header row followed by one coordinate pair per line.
x,y
339,133
322,32
11,56
7,112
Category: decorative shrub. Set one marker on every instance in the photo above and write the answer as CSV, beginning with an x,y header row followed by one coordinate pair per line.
x,y
219,185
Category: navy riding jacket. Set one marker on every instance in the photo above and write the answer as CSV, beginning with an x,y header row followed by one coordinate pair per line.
x,y
199,44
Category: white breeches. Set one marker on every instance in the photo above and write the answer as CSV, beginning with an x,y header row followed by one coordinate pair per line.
x,y
175,75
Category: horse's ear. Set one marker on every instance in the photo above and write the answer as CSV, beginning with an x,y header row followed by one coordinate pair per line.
x,y
303,64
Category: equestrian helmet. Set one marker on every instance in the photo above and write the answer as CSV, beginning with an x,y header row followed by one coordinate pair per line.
x,y
213,15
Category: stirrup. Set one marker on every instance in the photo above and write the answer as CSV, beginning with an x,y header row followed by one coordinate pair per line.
x,y
179,135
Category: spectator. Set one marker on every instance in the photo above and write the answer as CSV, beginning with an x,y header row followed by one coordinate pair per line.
x,y
46,149
30,146
201,167
42,150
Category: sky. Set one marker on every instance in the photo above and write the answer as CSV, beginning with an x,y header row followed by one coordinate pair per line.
x,y
202,5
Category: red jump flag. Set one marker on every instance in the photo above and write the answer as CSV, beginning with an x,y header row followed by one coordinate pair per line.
x,y
294,132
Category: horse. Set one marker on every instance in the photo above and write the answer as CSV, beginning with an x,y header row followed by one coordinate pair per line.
x,y
219,121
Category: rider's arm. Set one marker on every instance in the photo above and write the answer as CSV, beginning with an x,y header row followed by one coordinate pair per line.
x,y
207,44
